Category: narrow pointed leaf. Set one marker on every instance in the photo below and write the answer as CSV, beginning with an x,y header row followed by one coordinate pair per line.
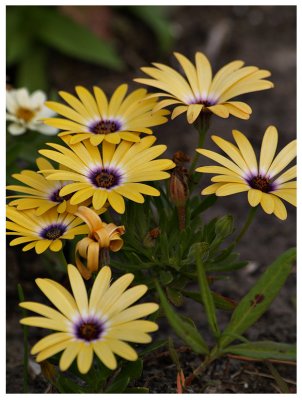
x,y
206,294
259,298
264,350
183,329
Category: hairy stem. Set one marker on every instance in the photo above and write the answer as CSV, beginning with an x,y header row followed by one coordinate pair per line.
x,y
247,224
202,126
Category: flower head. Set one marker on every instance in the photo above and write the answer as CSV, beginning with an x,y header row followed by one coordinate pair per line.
x,y
102,238
39,193
27,112
110,174
44,231
97,119
199,92
101,324
266,183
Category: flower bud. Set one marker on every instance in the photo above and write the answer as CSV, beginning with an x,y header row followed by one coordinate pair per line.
x,y
224,226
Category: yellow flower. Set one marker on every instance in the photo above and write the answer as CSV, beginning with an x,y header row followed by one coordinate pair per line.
x,y
266,183
40,193
101,324
102,238
109,174
93,117
44,231
199,92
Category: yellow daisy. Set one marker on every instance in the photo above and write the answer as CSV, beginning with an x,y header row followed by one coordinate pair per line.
x,y
96,118
110,174
101,324
95,247
266,183
199,92
40,193
44,231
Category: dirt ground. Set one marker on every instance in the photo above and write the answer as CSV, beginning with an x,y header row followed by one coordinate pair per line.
x,y
261,36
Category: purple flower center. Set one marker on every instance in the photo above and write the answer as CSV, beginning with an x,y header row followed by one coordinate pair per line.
x,y
105,178
103,127
57,198
262,183
53,231
89,329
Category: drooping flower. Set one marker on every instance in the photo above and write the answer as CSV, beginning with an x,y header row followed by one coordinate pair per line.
x,y
27,112
198,92
95,247
110,174
43,231
101,324
95,118
266,183
39,193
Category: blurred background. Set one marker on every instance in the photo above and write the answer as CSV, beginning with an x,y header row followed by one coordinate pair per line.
x,y
57,48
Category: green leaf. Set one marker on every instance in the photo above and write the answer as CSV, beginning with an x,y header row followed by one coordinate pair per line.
x,y
32,71
119,385
154,17
18,38
183,329
221,302
175,296
259,298
264,350
165,277
206,293
133,369
153,346
63,34
204,205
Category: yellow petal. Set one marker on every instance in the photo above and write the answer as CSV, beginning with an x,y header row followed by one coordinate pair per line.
x,y
59,296
50,351
246,150
268,149
231,151
49,341
231,188
219,110
122,349
116,201
211,189
85,357
193,112
69,354
254,197
204,74
129,297
280,210
56,245
99,198
286,155
42,245
105,354
100,286
134,312
78,288
267,203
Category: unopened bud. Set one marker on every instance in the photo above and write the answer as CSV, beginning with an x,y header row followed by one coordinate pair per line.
x,y
224,226
180,157
48,371
179,190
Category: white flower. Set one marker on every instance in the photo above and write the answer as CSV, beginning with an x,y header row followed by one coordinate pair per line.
x,y
27,112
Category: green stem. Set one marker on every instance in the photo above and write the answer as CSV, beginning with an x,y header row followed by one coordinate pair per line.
x,y
25,343
62,266
247,224
203,366
202,126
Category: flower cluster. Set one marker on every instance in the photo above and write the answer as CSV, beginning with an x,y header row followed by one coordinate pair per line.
x,y
108,157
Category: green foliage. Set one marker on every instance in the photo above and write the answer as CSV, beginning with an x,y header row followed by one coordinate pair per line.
x,y
155,18
186,331
34,31
264,350
259,298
